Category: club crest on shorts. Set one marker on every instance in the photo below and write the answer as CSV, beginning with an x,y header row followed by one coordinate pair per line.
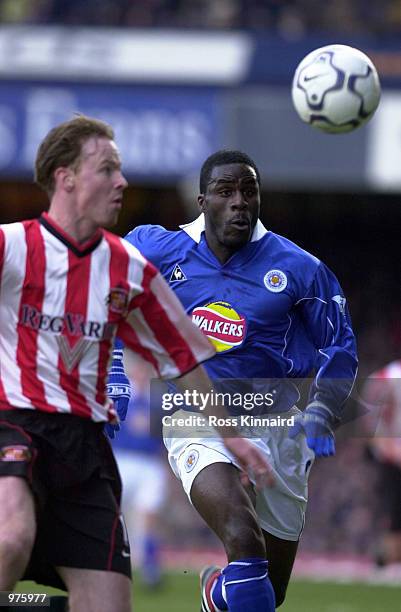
x,y
191,460
17,452
275,281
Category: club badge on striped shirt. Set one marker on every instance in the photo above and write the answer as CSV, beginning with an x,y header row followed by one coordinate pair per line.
x,y
117,300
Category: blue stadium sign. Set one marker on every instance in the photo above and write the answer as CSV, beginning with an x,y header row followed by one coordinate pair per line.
x,y
161,132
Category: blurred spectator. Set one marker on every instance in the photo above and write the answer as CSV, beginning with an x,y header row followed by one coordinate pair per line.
x,y
382,397
290,18
341,514
24,11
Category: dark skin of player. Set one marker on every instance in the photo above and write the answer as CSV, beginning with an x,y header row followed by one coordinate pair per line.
x,y
231,207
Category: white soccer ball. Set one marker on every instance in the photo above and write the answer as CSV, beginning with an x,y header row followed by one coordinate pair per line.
x,y
336,89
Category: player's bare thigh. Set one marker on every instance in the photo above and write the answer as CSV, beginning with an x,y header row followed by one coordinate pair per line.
x,y
17,528
96,590
222,501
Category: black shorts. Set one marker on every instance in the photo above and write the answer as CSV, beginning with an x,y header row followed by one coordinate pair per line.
x,y
70,467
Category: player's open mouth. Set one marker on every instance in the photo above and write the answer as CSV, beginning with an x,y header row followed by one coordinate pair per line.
x,y
242,224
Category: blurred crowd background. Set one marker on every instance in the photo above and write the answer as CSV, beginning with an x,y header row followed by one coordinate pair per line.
x,y
355,231
292,18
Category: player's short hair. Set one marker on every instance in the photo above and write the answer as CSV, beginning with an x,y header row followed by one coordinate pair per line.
x,y
221,158
62,147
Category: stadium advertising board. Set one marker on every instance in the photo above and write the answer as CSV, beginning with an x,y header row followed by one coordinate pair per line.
x,y
161,132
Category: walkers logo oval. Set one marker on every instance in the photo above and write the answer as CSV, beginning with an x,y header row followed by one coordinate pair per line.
x,y
222,324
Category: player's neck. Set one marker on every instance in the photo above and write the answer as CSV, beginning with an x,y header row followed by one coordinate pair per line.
x,y
221,251
79,228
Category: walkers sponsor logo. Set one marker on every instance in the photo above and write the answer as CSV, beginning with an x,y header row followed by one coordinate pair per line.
x,y
222,324
71,324
17,453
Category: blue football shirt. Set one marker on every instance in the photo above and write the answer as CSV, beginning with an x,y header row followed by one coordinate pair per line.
x,y
273,310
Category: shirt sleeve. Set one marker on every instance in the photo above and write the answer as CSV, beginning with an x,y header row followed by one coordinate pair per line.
x,y
149,240
326,318
160,332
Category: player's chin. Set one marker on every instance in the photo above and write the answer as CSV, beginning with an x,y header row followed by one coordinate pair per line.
x,y
111,218
237,239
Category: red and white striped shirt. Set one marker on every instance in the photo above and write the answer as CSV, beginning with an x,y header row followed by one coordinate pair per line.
x,y
382,392
61,306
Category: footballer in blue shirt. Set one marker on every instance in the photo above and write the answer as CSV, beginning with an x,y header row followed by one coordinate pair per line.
x,y
273,311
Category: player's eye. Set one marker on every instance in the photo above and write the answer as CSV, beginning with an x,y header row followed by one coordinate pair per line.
x,y
108,170
225,193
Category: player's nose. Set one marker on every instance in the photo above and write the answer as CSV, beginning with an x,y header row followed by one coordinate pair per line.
x,y
238,200
122,182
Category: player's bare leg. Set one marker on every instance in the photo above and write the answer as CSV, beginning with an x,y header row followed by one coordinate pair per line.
x,y
222,501
17,529
281,556
96,590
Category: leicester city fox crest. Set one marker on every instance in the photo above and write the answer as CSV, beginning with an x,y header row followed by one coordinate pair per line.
x,y
191,460
275,281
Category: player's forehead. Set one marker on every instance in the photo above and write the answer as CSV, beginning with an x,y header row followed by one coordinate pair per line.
x,y
97,149
233,173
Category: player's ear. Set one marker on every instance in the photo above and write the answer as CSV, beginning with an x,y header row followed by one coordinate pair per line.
x,y
201,202
64,178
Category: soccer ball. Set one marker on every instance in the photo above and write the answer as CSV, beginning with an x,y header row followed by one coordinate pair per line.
x,y
336,89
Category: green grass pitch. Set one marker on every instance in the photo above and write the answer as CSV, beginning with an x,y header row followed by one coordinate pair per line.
x,y
180,593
